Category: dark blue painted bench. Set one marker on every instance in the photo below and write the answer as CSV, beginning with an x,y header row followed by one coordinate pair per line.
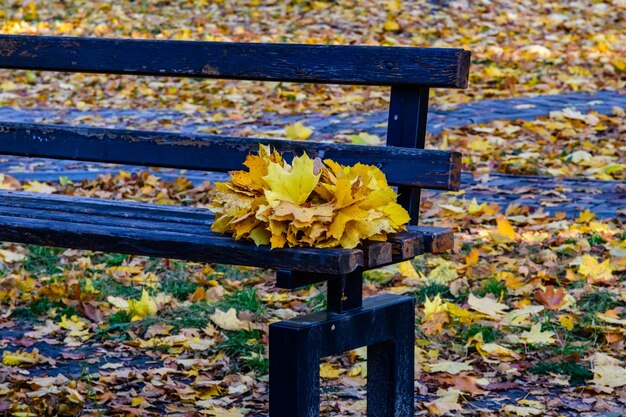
x,y
385,324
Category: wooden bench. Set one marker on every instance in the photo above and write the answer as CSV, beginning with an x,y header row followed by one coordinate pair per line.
x,y
385,324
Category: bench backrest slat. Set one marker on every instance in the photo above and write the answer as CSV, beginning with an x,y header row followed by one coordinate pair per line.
x,y
333,64
402,166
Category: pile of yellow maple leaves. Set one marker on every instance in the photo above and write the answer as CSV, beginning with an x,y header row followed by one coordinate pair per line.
x,y
307,203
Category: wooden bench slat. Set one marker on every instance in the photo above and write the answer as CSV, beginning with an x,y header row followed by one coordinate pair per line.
x,y
70,219
336,64
210,248
405,246
117,208
167,231
431,169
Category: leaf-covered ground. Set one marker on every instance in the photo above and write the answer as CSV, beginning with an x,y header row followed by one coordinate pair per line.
x,y
564,144
526,316
525,303
518,47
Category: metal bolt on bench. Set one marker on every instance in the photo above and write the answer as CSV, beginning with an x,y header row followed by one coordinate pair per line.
x,y
385,324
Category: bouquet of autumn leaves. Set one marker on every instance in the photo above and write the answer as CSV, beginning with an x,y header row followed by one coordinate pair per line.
x,y
306,203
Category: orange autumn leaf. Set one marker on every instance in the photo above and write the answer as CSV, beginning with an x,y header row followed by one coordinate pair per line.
x,y
551,298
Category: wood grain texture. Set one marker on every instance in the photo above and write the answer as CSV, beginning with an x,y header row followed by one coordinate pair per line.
x,y
102,229
404,167
436,239
166,231
406,128
415,241
210,248
335,64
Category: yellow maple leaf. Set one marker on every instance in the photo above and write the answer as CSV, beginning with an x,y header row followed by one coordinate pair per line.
x,y
521,411
38,187
609,373
7,182
74,396
8,256
293,183
308,203
144,307
451,367
73,324
595,272
488,350
222,412
364,138
435,306
585,216
537,337
472,258
487,305
19,357
228,320
406,269
391,25
567,321
447,401
504,232
298,131
328,370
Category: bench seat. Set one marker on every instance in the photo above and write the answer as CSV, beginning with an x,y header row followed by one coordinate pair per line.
x,y
185,233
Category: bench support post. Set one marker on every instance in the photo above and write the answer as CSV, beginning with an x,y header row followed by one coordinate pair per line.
x,y
406,128
385,324
345,292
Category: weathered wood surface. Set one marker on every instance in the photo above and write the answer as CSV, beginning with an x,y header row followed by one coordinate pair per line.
x,y
386,324
405,246
166,231
406,128
100,228
431,169
335,64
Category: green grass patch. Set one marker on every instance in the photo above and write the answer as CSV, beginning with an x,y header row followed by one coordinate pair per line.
x,y
246,348
620,236
195,315
597,302
431,290
179,287
243,300
489,333
109,287
119,317
578,373
42,260
492,286
43,307
113,259
319,301
595,239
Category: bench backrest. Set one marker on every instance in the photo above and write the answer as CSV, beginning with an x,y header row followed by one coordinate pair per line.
x,y
409,71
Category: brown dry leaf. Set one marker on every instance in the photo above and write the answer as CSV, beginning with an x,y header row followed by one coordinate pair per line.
x,y
551,298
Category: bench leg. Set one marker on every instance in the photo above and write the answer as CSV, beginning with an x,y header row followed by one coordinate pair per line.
x,y
390,370
294,374
385,324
